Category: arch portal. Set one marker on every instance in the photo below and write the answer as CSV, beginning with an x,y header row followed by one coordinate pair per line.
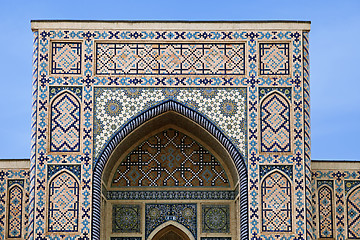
x,y
173,114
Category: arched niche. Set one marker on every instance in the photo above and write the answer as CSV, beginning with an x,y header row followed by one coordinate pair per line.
x,y
171,231
170,120
179,116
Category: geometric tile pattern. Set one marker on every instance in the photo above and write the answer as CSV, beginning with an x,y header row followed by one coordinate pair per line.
x,y
177,59
157,214
325,213
173,159
286,91
350,184
276,203
15,212
275,124
224,106
169,195
66,58
65,123
274,58
53,169
329,183
53,91
14,203
126,218
63,203
287,169
215,219
353,214
11,182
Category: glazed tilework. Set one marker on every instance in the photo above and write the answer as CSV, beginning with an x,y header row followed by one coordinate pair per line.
x,y
225,106
325,212
287,169
50,71
215,218
32,172
173,159
63,203
353,214
170,195
350,184
53,169
65,123
163,59
276,203
275,124
15,211
345,205
14,203
157,214
126,218
66,58
330,183
274,59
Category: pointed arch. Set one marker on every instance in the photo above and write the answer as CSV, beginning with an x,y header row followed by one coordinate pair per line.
x,y
63,203
353,214
276,205
65,123
275,123
325,212
197,118
15,213
171,226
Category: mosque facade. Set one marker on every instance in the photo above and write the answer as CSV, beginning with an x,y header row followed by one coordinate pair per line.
x,y
174,130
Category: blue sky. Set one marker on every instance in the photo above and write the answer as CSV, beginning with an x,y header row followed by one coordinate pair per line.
x,y
334,53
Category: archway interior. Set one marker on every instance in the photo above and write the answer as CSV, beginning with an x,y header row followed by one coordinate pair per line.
x,y
164,121
170,233
172,133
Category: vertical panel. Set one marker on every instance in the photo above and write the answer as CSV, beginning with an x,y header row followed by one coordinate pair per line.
x,y
63,204
15,212
275,124
325,213
276,203
353,214
65,124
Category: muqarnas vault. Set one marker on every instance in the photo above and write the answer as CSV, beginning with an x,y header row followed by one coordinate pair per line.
x,y
174,130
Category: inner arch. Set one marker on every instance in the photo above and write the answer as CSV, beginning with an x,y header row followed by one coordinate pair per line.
x,y
170,232
165,121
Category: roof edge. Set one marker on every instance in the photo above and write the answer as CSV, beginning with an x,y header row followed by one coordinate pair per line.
x,y
170,24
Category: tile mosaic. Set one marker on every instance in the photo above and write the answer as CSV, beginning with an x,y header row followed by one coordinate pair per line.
x,y
125,218
325,212
170,58
172,159
157,214
215,218
274,59
66,58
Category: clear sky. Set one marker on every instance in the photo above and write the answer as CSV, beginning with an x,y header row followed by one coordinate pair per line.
x,y
334,56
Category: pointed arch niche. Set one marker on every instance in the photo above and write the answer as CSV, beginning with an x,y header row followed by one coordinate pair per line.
x,y
180,124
